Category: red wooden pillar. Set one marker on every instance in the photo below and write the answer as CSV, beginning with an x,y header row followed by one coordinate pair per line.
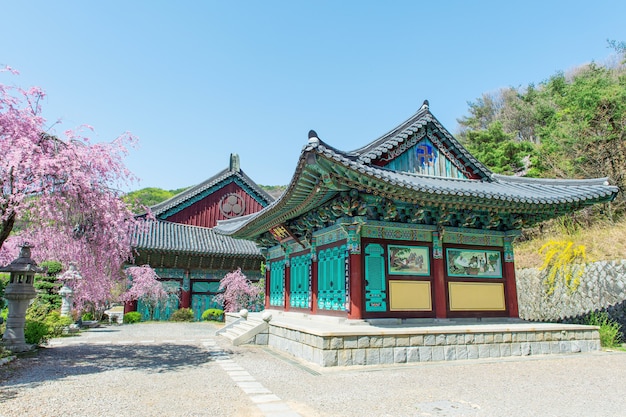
x,y
287,283
509,278
439,279
130,306
185,294
356,286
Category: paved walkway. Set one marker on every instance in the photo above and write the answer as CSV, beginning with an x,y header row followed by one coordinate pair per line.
x,y
182,369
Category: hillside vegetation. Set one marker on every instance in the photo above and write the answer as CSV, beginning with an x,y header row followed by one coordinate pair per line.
x,y
573,125
147,197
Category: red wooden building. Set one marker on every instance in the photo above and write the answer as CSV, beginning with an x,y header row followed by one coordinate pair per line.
x,y
187,253
410,225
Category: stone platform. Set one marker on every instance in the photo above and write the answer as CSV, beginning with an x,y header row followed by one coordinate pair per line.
x,y
331,341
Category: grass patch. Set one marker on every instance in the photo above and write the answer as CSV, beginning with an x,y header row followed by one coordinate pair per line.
x,y
610,336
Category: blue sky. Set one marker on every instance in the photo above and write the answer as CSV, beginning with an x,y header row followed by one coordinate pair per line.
x,y
199,80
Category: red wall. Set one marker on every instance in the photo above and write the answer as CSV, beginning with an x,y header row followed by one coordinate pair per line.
x,y
206,212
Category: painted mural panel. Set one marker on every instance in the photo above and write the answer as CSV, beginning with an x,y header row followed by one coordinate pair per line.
x,y
473,263
408,260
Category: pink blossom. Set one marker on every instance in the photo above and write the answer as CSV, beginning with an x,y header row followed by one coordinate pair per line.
x,y
63,192
238,292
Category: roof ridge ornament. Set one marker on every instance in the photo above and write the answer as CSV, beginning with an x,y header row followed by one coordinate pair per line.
x,y
425,105
313,139
234,162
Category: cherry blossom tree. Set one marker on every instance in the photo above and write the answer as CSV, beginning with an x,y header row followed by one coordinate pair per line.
x,y
145,286
61,192
238,292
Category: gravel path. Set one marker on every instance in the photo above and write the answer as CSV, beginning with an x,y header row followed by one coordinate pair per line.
x,y
182,369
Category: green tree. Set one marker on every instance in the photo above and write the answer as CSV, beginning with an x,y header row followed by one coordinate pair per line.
x,y
498,150
147,197
47,285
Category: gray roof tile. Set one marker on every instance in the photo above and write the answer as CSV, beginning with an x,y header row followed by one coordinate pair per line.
x,y
163,236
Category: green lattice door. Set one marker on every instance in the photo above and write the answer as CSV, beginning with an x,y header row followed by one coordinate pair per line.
x,y
277,283
331,278
300,282
164,309
375,278
202,294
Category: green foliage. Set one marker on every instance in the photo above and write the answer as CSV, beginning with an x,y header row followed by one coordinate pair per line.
x,y
148,197
182,314
610,336
38,310
52,267
36,332
4,280
132,317
4,352
56,323
499,150
87,316
213,314
570,126
48,286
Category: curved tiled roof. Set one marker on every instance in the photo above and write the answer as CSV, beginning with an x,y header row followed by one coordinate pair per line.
x,y
500,187
163,236
324,171
405,130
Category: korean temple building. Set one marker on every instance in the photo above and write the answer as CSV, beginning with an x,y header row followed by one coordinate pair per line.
x,y
185,251
410,225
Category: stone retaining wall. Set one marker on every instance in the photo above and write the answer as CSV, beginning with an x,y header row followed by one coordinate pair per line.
x,y
348,350
602,288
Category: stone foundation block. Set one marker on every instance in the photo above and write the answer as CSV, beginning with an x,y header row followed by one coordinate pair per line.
x,y
344,357
425,353
363,342
399,354
412,354
461,352
372,356
336,343
450,353
329,358
389,341
358,356
438,353
418,340
350,342
386,355
376,342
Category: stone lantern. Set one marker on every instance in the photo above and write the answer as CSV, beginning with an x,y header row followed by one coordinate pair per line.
x,y
66,291
19,292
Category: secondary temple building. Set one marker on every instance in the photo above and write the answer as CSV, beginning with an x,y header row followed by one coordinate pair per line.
x,y
185,251
410,225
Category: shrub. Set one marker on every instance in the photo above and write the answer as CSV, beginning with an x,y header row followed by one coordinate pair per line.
x,y
182,314
132,317
35,332
57,323
87,317
213,314
609,329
